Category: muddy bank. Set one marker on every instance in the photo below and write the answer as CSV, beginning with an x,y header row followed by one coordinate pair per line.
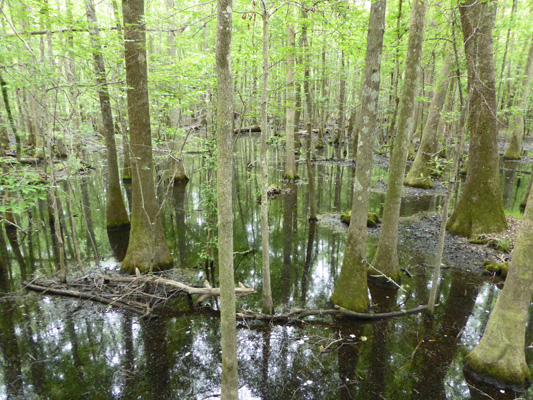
x,y
418,237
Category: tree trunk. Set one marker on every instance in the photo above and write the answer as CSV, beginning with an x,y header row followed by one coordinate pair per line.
x,y
420,173
117,216
265,232
339,139
309,149
322,102
307,87
513,151
230,379
351,290
147,248
5,96
386,258
500,354
290,163
480,208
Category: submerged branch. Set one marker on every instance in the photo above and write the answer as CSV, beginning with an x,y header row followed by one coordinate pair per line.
x,y
337,312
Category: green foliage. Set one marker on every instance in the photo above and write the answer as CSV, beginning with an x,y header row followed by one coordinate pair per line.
x,y
24,186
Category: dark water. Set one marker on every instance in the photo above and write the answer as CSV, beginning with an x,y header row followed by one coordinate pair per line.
x,y
61,348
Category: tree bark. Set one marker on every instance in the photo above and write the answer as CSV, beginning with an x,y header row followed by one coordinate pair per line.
x,y
480,208
351,290
18,140
500,355
290,163
420,173
147,249
386,258
265,231
116,214
230,379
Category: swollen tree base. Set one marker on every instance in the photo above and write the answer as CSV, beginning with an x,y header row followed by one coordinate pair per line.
x,y
482,215
291,178
513,150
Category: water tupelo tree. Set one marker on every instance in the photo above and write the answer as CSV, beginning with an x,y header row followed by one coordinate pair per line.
x,y
480,207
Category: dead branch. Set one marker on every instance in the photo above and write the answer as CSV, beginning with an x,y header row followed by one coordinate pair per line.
x,y
337,312
133,306
205,292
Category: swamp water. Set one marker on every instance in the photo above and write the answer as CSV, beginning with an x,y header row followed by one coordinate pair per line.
x,y
60,348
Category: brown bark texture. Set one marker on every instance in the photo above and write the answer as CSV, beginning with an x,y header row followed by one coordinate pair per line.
x,y
230,378
148,249
386,259
116,214
351,290
480,207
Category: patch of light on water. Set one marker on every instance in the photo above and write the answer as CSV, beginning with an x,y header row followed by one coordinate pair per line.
x,y
473,329
455,386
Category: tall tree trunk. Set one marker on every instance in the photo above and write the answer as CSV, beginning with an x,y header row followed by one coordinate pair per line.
x,y
126,166
147,249
290,128
265,232
339,139
351,290
480,208
386,258
5,96
309,149
116,214
322,102
230,378
513,151
307,87
420,173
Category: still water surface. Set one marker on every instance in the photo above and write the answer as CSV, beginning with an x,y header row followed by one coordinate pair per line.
x,y
59,348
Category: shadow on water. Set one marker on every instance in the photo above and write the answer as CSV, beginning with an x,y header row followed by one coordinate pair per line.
x,y
63,349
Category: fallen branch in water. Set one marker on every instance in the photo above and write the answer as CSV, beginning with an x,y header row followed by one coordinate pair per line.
x,y
139,294
336,312
130,305
205,292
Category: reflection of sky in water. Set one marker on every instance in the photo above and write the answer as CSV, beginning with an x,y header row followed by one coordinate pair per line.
x,y
303,361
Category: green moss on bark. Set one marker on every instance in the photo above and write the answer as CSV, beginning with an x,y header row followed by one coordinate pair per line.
x,y
513,150
372,220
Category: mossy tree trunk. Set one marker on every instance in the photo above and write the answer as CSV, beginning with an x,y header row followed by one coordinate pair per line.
x,y
420,173
523,203
351,290
147,249
386,258
290,163
514,149
500,355
116,214
480,208
230,378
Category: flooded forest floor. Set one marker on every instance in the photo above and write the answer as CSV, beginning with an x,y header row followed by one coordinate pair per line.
x,y
55,347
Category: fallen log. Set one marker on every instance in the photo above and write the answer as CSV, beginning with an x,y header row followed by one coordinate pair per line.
x,y
337,312
253,128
